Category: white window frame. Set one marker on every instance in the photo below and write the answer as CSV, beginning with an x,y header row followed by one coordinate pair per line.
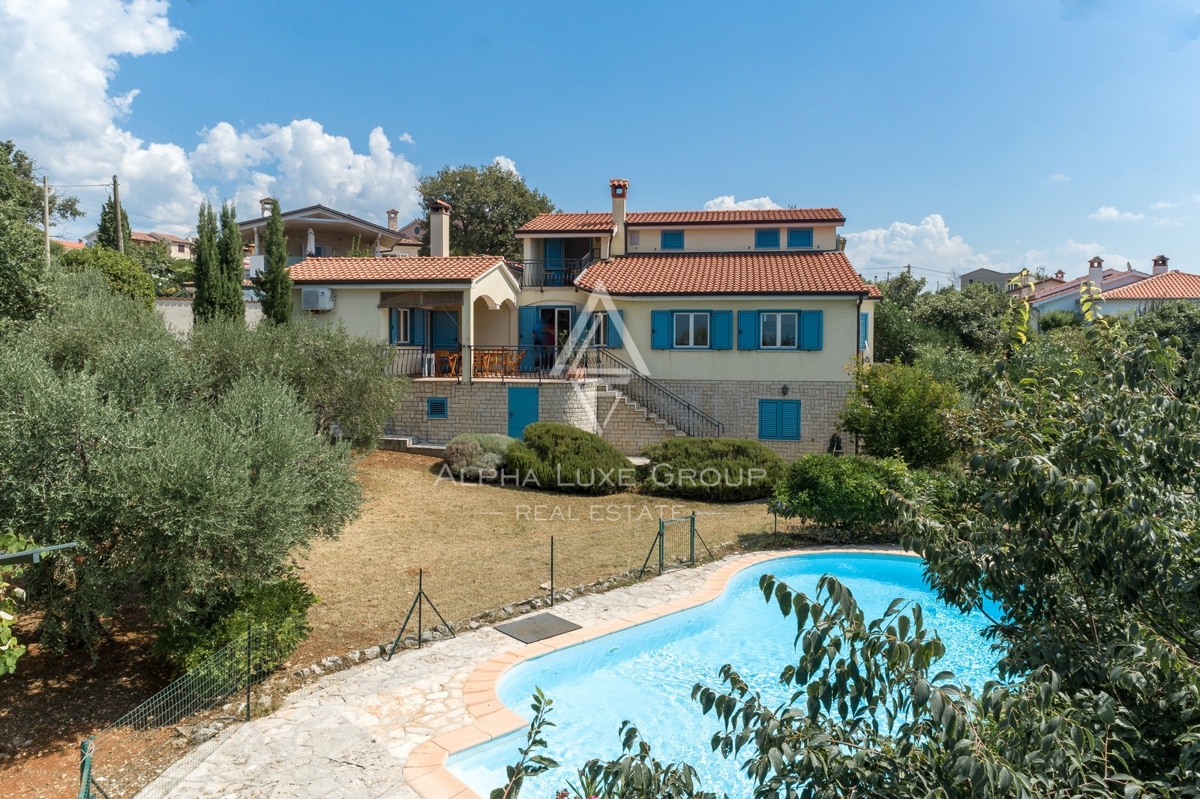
x,y
600,329
690,316
777,317
403,326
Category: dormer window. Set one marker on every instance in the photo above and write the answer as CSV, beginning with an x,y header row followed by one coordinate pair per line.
x,y
767,239
800,238
672,240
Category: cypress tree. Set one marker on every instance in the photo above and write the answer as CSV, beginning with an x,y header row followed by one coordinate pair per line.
x,y
275,284
206,265
229,294
106,236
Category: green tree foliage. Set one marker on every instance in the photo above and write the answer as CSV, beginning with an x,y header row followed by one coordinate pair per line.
x,y
975,316
227,294
155,259
106,236
712,469
1053,320
559,457
1179,320
206,265
357,249
22,270
123,272
189,480
842,492
477,456
10,596
488,204
902,411
21,190
274,285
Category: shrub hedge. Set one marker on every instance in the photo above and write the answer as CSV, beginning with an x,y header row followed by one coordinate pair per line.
x,y
844,493
559,457
714,469
476,456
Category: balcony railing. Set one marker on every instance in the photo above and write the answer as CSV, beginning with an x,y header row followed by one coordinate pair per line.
x,y
542,273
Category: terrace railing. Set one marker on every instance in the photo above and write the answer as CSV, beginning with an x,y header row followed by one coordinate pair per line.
x,y
542,273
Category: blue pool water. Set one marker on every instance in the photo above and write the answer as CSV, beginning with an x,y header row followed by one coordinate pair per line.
x,y
645,674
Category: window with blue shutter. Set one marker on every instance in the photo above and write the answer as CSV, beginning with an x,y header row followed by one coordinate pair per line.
x,y
420,320
747,334
437,407
399,326
616,329
779,420
660,330
863,329
800,237
812,330
722,330
767,239
671,240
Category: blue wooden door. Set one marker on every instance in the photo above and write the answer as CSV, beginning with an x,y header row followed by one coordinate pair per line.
x,y
554,263
522,409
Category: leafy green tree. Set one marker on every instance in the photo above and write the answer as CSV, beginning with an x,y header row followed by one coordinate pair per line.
x,y
156,260
22,269
106,236
228,300
488,204
123,273
1180,319
902,411
206,265
21,190
10,596
842,492
1052,320
274,285
975,316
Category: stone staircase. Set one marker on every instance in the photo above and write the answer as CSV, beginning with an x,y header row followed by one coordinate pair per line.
x,y
627,424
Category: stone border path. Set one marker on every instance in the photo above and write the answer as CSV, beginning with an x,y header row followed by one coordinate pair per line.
x,y
384,729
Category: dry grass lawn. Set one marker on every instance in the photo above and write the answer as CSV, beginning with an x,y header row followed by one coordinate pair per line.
x,y
481,547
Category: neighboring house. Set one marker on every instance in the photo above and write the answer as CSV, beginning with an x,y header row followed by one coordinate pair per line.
x,y
325,233
70,245
179,248
413,230
1163,286
1065,296
638,326
989,276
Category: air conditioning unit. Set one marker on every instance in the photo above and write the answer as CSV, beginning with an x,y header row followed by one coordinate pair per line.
x,y
316,299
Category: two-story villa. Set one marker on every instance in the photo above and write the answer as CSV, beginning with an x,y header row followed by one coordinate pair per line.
x,y
636,325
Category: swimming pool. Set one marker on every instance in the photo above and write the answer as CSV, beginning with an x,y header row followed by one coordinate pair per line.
x,y
645,674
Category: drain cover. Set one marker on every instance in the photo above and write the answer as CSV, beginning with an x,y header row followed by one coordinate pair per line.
x,y
537,628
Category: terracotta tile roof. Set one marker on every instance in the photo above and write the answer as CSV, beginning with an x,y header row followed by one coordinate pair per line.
x,y
137,235
423,269
70,245
568,223
1168,286
169,238
602,222
873,292
406,242
1109,277
727,273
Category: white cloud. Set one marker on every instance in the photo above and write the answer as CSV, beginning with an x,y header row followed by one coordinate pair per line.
x,y
927,246
507,164
727,203
1072,257
406,138
1108,213
58,58
1059,177
1158,206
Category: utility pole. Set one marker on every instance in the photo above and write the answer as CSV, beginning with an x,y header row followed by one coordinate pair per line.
x,y
46,216
117,215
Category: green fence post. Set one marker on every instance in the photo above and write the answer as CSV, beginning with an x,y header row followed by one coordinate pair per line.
x,y
85,767
249,628
692,540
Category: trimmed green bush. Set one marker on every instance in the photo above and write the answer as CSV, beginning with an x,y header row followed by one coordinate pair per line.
x,y
475,456
559,457
714,469
123,273
845,493
902,411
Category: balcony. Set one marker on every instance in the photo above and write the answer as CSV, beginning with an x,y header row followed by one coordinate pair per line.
x,y
545,273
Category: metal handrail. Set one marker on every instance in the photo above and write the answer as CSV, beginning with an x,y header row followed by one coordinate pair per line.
x,y
534,272
655,396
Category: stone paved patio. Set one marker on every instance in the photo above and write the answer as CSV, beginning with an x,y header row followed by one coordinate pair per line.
x,y
351,733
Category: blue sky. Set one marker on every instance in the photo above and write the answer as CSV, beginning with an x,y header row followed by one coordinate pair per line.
x,y
952,135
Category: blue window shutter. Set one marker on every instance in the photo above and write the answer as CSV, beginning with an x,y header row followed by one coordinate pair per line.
x,y
812,325
768,418
721,334
616,326
437,407
671,240
863,327
747,335
393,325
766,239
419,320
800,237
660,330
789,419
527,318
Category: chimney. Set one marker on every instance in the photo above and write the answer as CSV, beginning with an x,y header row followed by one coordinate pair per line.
x,y
393,219
439,229
1060,275
1160,265
1096,271
265,205
619,188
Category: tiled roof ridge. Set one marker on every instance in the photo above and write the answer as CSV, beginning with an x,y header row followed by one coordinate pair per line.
x,y
1171,285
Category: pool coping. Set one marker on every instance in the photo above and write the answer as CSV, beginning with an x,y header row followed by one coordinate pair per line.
x,y
425,770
